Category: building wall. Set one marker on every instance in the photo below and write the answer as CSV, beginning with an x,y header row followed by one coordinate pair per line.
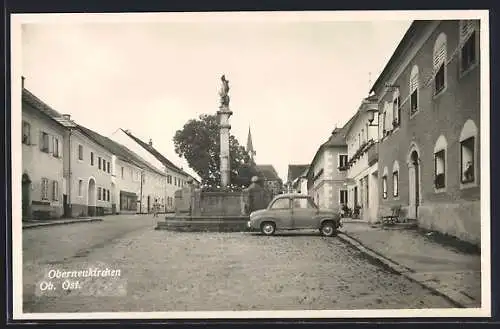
x,y
326,188
455,209
84,174
38,164
127,180
360,174
176,182
172,184
153,189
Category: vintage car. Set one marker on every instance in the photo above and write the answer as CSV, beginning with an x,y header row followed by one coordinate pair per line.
x,y
293,212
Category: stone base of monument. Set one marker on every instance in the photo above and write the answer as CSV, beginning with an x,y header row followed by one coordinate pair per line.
x,y
203,211
204,224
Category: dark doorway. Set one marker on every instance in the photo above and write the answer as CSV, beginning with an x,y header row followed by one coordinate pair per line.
x,y
67,211
26,196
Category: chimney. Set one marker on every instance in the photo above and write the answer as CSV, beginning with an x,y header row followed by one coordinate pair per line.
x,y
66,116
150,142
22,82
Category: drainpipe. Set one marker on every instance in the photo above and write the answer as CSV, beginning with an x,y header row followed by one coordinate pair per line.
x,y
69,183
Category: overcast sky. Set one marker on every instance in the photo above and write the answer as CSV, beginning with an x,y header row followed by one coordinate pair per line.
x,y
292,82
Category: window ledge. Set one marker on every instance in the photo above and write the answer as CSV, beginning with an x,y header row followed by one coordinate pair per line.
x,y
412,115
396,198
439,190
464,186
466,72
440,93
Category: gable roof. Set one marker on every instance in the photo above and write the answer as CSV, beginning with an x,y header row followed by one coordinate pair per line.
x,y
268,172
167,163
295,171
412,31
117,149
336,139
42,107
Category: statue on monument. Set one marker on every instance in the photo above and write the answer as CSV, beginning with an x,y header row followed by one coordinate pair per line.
x,y
224,90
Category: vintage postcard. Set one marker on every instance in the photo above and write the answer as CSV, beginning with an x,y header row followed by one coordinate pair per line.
x,y
251,165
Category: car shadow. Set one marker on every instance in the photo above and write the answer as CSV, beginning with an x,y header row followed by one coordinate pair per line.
x,y
290,233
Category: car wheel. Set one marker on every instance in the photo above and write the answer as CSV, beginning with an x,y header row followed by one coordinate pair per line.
x,y
268,228
328,229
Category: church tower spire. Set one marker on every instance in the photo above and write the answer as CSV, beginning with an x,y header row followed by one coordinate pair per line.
x,y
250,150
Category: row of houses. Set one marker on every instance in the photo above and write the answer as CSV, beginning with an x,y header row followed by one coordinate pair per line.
x,y
70,170
414,142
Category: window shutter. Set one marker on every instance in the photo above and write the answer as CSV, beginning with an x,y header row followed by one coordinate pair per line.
x,y
51,144
439,56
413,82
40,142
466,29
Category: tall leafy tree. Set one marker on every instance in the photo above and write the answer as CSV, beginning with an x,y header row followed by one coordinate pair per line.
x,y
199,143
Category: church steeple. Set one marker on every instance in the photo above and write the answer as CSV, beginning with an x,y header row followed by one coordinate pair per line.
x,y
250,150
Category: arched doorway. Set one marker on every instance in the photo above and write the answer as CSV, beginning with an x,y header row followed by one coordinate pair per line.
x,y
91,198
414,183
26,196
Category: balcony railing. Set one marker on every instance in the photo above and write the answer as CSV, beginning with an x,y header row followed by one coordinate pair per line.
x,y
372,154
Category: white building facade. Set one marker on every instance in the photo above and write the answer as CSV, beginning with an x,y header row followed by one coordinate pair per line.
x,y
362,165
42,162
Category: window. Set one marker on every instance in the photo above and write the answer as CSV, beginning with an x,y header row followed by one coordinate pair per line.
x,y
468,166
468,42
123,170
99,193
45,189
55,191
439,63
343,196
303,203
91,158
55,151
169,179
99,162
44,142
395,183
283,203
103,165
26,133
467,160
109,168
396,109
384,187
342,160
107,195
414,90
439,173
80,152
80,187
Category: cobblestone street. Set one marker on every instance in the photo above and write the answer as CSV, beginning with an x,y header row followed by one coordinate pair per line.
x,y
171,271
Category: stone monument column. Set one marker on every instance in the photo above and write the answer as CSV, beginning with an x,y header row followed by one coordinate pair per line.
x,y
224,113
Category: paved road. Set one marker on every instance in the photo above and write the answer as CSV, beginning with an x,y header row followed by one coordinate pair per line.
x,y
170,271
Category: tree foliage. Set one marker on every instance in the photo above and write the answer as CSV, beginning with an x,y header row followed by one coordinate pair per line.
x,y
199,143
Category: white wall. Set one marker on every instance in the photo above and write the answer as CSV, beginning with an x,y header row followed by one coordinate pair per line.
x,y
38,164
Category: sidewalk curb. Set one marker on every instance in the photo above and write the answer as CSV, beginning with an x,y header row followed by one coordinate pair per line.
x,y
63,222
451,296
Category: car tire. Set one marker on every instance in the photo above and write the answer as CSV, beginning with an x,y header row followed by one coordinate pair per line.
x,y
328,229
268,228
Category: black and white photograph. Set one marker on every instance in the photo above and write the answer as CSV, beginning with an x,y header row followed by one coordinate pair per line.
x,y
314,164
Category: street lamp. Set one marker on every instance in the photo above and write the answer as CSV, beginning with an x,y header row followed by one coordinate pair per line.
x,y
371,116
